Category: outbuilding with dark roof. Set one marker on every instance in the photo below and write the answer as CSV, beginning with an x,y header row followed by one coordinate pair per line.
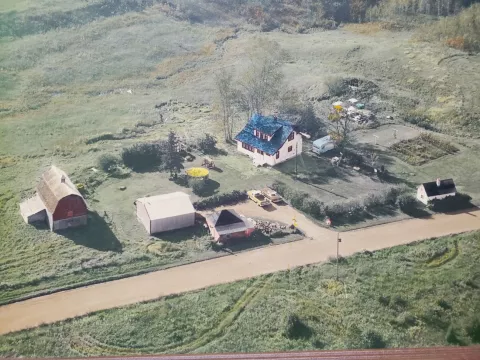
x,y
436,190
228,224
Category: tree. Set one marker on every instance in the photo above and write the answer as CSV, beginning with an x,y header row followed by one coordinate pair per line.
x,y
341,126
207,144
225,99
261,82
172,159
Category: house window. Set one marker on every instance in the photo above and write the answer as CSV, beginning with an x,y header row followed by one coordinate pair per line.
x,y
260,152
277,155
70,213
290,148
291,136
248,147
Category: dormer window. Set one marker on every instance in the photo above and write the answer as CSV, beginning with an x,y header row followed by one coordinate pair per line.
x,y
260,135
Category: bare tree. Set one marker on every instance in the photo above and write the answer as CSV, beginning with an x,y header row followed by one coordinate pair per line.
x,y
225,99
260,84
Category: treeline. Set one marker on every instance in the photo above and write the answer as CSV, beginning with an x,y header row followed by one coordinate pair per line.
x,y
461,31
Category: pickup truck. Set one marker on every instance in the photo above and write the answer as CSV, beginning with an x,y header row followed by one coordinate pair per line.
x,y
258,198
271,195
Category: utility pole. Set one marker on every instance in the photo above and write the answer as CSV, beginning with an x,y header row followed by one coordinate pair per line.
x,y
296,155
338,245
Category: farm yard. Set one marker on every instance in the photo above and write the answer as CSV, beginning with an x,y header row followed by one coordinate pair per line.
x,y
373,305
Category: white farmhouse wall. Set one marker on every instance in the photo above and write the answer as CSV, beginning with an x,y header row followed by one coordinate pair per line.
x,y
421,195
143,216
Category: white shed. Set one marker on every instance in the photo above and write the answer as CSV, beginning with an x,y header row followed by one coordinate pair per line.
x,y
165,212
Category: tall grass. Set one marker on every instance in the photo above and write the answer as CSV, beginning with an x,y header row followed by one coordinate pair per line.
x,y
389,298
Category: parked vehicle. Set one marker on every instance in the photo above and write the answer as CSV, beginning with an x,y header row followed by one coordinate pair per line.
x,y
258,198
271,195
323,145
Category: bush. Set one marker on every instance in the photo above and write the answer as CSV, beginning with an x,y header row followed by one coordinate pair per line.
x,y
108,162
451,336
198,186
406,201
473,330
207,144
372,340
313,207
296,329
221,199
337,86
143,156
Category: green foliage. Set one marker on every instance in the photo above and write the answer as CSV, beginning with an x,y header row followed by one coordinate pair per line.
x,y
221,199
296,329
108,162
372,340
198,185
473,330
451,336
207,144
143,156
171,158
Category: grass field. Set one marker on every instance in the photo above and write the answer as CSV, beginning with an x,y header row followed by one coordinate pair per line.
x,y
400,297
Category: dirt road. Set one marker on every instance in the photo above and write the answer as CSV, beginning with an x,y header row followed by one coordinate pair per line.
x,y
318,246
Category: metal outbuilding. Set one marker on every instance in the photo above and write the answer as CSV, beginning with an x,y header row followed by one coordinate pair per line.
x,y
165,212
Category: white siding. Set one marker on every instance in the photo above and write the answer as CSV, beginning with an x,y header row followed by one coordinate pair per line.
x,y
284,153
143,216
70,222
172,223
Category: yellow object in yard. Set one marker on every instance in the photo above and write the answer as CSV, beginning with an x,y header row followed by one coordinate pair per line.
x,y
197,172
338,107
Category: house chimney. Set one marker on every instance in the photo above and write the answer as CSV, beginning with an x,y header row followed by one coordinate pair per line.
x,y
439,183
62,179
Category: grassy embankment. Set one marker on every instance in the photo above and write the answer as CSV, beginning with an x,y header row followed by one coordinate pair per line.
x,y
423,294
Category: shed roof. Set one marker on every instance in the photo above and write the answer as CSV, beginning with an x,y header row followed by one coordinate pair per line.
x,y
228,221
266,124
54,185
31,206
167,205
319,142
447,186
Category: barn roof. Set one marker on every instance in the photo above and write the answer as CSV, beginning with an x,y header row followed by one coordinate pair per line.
x,y
278,129
447,186
167,205
51,188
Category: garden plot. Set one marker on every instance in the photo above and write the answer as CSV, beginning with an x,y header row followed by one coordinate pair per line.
x,y
386,135
422,149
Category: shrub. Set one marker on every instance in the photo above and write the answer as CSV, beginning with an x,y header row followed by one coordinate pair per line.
x,y
108,162
313,207
337,86
198,186
296,329
451,336
372,340
473,330
406,201
207,144
384,300
221,199
143,156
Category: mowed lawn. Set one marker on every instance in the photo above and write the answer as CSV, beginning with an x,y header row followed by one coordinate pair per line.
x,y
423,294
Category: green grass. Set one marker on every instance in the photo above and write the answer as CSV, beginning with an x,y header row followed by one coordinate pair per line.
x,y
391,298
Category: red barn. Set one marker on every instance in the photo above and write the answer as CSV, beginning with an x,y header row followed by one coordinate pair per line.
x,y
228,224
63,205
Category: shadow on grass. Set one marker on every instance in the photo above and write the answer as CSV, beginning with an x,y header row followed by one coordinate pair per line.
x,y
180,235
255,240
453,205
210,188
416,211
97,235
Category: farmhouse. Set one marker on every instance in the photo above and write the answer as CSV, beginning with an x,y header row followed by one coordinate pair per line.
x,y
165,212
57,201
228,224
436,190
268,140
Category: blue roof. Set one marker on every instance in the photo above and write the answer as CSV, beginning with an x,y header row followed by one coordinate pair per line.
x,y
266,124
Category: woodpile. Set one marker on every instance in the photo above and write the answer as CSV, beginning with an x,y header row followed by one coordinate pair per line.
x,y
268,227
